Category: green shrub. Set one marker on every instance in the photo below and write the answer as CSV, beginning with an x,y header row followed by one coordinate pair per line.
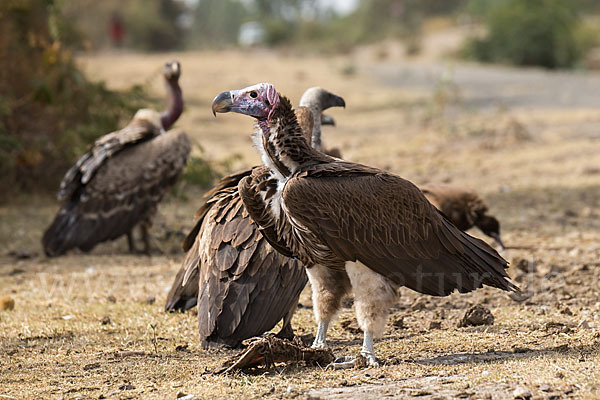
x,y
49,111
532,32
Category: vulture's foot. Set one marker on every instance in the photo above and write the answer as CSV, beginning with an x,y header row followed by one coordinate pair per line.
x,y
286,332
347,362
319,345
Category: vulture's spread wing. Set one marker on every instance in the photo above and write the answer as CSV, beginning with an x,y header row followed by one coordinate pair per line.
x,y
386,223
124,190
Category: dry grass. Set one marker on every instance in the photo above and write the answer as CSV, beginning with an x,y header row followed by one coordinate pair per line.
x,y
537,167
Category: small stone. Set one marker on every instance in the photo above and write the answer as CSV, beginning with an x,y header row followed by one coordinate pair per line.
x,y
105,320
524,264
291,389
7,304
181,347
566,311
111,299
477,315
544,388
435,324
126,387
398,321
88,367
183,396
150,300
419,305
522,393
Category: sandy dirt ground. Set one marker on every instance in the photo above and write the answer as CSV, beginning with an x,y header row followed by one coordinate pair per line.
x,y
92,326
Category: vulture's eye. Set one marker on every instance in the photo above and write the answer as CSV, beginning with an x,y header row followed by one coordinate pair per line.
x,y
253,94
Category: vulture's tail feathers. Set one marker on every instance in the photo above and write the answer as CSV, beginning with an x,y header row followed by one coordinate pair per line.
x,y
184,296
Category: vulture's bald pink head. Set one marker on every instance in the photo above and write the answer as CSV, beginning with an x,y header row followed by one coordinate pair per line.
x,y
258,101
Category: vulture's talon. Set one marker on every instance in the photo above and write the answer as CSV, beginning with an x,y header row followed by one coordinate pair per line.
x,y
345,362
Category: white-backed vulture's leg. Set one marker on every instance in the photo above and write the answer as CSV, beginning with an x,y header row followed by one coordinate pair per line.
x,y
286,331
130,242
148,239
328,287
374,295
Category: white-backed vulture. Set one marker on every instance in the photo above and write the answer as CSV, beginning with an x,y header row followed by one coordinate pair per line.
x,y
353,226
242,286
119,182
463,207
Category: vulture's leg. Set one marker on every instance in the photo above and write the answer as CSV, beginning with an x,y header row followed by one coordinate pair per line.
x,y
130,242
374,295
329,285
286,331
147,239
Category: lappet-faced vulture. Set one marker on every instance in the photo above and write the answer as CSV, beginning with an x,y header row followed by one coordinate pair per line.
x,y
463,207
119,182
243,287
352,226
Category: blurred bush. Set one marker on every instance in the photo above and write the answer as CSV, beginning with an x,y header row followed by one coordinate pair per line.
x,y
533,32
49,111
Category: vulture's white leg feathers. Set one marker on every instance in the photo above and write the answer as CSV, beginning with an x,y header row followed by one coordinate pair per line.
x,y
374,295
328,288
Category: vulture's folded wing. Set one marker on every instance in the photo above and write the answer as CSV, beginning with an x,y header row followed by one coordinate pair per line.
x,y
225,184
183,294
104,148
245,286
386,223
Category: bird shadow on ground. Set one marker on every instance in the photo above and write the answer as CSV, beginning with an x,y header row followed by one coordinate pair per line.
x,y
519,353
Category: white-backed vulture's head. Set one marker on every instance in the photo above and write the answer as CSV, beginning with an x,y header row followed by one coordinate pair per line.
x,y
258,101
317,99
172,70
321,99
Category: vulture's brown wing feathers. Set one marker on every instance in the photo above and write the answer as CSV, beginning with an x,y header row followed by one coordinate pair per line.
x,y
386,223
124,190
183,297
105,147
245,286
184,291
242,286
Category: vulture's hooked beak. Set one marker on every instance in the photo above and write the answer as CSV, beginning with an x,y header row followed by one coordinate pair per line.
x,y
338,101
222,103
496,237
327,120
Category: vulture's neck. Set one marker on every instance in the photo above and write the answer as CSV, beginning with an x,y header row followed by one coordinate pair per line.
x,y
316,132
175,106
281,144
